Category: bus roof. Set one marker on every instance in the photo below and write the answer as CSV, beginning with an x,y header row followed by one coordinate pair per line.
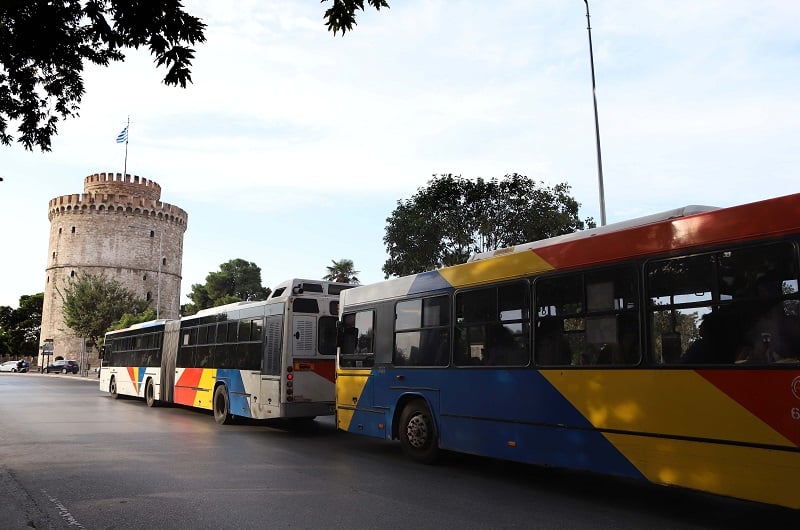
x,y
140,325
297,286
592,232
224,308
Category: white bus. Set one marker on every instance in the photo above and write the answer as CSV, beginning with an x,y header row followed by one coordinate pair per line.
x,y
259,360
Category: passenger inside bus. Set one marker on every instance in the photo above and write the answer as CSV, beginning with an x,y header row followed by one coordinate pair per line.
x,y
552,348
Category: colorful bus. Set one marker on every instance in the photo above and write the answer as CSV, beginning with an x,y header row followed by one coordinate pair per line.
x,y
259,360
665,349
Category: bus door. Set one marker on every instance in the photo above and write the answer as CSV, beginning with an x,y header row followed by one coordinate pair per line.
x,y
272,361
356,410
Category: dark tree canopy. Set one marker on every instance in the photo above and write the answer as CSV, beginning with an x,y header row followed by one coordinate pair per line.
x,y
92,303
341,16
453,217
129,319
237,280
44,46
19,328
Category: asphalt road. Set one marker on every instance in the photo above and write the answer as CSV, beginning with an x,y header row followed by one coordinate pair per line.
x,y
72,457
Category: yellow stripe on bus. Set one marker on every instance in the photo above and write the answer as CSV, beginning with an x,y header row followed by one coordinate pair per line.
x,y
205,389
490,270
349,388
670,402
738,471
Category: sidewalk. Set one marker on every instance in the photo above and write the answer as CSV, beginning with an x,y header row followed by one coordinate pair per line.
x,y
92,377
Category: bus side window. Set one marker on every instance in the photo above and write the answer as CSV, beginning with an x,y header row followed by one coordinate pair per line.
x,y
357,340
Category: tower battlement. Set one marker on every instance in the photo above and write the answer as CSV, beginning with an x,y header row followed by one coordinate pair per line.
x,y
117,183
115,203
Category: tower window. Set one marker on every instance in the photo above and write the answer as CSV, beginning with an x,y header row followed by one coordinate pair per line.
x,y
152,233
144,277
73,229
149,296
72,274
163,261
59,230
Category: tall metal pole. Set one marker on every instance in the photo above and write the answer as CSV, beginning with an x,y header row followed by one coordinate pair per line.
x,y
127,135
596,123
160,260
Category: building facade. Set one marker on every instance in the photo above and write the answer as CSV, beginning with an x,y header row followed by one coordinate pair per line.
x,y
117,227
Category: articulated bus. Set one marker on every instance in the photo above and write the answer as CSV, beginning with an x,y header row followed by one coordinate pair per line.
x,y
665,349
259,360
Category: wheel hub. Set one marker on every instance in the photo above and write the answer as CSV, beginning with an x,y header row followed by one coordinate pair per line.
x,y
417,431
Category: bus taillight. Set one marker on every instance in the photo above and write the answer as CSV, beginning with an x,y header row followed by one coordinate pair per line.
x,y
289,384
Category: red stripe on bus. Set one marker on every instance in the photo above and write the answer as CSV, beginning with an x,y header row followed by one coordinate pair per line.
x,y
739,223
771,395
186,386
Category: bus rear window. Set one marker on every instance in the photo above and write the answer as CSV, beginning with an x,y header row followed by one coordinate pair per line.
x,y
305,305
336,289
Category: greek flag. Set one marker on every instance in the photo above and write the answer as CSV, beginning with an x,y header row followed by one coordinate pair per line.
x,y
123,136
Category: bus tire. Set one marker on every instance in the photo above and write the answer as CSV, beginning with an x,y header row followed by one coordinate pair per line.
x,y
222,408
150,394
418,432
112,388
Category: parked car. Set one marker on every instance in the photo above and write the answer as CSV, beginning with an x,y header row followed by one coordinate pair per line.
x,y
10,366
62,366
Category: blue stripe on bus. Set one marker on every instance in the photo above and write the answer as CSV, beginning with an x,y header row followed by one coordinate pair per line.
x,y
140,378
428,281
238,399
508,414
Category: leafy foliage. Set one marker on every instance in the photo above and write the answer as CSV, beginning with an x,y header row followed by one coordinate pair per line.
x,y
453,217
92,303
43,47
129,319
342,271
237,280
19,328
341,16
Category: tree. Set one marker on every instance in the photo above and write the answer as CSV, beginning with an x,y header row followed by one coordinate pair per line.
x,y
129,319
341,16
342,271
44,45
19,328
237,280
453,217
92,303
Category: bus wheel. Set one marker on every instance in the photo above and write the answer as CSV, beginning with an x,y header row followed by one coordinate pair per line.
x,y
112,388
150,393
222,409
418,432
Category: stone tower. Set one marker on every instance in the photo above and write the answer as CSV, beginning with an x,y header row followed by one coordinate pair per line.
x,y
117,227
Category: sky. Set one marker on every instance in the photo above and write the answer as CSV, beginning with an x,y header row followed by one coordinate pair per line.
x,y
292,146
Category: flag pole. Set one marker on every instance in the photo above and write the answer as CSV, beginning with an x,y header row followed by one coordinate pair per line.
x,y
127,133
